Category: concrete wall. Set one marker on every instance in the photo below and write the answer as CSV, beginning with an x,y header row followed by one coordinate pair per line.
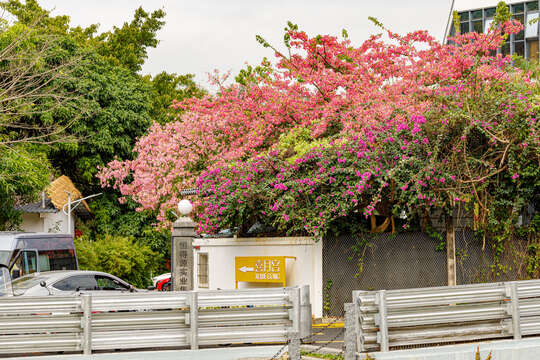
x,y
305,270
47,222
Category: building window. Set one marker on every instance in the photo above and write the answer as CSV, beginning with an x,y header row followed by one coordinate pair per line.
x,y
518,8
519,48
533,5
464,26
505,49
487,25
520,35
202,270
531,30
490,12
477,26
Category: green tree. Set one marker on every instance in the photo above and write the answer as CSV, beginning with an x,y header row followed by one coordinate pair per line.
x,y
117,255
127,46
33,68
116,106
502,14
24,170
119,104
168,87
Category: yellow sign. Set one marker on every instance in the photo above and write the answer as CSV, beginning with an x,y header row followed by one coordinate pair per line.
x,y
268,269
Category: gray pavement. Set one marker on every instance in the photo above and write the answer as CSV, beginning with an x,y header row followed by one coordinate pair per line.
x,y
330,337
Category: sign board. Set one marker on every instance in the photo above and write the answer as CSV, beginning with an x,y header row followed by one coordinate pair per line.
x,y
263,269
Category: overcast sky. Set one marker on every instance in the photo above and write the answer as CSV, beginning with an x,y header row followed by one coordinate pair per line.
x,y
202,35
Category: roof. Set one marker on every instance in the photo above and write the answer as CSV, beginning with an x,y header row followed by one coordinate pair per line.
x,y
58,192
37,207
56,197
8,239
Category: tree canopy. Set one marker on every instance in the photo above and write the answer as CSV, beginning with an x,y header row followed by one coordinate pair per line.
x,y
332,130
94,107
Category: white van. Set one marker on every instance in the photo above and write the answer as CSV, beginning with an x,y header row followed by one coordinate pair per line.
x,y
27,253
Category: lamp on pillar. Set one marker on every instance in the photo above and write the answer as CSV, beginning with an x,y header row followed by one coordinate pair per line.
x,y
183,232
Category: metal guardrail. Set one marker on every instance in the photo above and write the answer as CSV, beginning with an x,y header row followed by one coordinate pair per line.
x,y
154,320
381,320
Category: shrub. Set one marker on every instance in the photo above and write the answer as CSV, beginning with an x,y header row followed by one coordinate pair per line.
x,y
117,255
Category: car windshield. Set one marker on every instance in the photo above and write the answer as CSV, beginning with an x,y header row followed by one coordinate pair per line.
x,y
4,257
24,283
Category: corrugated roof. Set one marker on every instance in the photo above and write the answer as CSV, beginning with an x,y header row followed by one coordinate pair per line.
x,y
58,192
37,207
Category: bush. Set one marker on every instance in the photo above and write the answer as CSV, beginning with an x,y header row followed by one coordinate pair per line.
x,y
117,255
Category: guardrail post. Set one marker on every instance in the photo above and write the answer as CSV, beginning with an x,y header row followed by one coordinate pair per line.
x,y
194,320
294,333
382,336
305,313
350,335
86,323
357,326
514,309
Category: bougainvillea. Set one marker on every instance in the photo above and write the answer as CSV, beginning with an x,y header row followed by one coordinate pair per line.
x,y
397,127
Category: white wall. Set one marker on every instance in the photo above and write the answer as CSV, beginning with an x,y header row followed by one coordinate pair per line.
x,y
47,222
306,269
31,222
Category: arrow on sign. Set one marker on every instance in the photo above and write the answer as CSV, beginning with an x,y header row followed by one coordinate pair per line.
x,y
245,269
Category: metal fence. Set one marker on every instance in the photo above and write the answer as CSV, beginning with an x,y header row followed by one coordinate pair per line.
x,y
389,319
375,262
154,320
400,261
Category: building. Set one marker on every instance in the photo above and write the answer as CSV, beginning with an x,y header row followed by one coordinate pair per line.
x,y
477,15
47,215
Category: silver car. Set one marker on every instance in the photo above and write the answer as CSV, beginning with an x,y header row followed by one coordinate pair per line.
x,y
68,282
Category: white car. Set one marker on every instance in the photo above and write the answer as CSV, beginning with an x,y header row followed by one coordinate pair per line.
x,y
68,282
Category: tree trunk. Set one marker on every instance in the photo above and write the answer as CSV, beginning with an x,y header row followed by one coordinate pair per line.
x,y
450,251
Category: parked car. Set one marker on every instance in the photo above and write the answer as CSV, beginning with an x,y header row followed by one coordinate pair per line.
x,y
157,279
164,284
68,283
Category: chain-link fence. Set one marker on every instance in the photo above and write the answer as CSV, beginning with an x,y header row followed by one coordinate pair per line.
x,y
405,260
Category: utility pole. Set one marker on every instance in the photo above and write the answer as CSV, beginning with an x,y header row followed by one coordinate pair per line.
x,y
451,250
